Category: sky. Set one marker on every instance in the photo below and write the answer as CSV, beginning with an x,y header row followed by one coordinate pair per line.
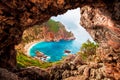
x,y
71,21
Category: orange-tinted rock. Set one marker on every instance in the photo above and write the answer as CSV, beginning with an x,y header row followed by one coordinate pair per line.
x,y
101,18
103,24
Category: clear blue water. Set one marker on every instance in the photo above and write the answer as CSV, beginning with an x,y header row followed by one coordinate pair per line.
x,y
55,50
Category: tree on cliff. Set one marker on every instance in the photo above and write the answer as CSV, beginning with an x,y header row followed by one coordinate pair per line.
x,y
88,49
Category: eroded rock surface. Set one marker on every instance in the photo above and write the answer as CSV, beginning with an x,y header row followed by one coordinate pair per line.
x,y
7,75
31,73
70,70
101,18
102,21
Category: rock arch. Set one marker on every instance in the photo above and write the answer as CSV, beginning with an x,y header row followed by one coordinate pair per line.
x,y
101,18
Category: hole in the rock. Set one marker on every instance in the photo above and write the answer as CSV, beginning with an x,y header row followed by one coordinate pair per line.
x,y
51,41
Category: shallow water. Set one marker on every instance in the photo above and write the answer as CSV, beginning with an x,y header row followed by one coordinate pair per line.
x,y
55,50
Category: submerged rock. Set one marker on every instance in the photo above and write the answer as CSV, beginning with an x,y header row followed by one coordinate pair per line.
x,y
67,51
39,54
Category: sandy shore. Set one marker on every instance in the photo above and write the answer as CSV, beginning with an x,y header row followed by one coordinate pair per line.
x,y
29,46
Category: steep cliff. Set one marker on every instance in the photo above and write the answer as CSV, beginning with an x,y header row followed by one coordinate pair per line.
x,y
100,17
48,31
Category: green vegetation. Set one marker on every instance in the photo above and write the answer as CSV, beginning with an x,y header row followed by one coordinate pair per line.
x,y
25,61
54,26
37,32
87,50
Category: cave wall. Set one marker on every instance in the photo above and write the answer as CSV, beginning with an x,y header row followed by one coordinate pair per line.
x,y
101,18
102,21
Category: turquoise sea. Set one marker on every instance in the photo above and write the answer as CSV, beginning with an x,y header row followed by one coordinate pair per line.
x,y
55,50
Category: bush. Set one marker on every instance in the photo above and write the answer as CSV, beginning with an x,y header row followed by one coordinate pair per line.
x,y
88,49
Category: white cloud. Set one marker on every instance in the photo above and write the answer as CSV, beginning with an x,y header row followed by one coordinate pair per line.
x,y
69,16
71,20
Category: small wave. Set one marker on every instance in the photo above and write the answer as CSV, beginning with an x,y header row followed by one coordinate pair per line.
x,y
48,57
66,54
45,59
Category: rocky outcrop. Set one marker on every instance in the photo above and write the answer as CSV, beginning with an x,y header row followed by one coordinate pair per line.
x,y
7,75
100,17
56,33
101,20
48,31
71,70
31,73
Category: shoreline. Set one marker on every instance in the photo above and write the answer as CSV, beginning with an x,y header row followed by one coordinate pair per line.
x,y
29,46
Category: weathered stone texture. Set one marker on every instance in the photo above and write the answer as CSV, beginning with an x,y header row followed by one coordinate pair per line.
x,y
101,18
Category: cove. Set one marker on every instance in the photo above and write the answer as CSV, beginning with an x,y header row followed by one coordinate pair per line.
x,y
55,50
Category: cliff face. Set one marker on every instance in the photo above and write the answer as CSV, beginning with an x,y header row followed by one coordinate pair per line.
x,y
101,18
55,31
48,31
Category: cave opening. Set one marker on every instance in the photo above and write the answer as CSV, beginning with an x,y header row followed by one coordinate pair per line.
x,y
100,18
36,40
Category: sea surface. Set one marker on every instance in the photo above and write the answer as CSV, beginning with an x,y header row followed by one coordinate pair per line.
x,y
55,50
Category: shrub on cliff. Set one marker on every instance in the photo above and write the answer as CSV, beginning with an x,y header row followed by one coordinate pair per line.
x,y
54,26
87,50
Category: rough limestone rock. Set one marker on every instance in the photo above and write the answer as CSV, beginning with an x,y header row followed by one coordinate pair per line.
x,y
33,73
7,75
102,21
101,18
68,71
